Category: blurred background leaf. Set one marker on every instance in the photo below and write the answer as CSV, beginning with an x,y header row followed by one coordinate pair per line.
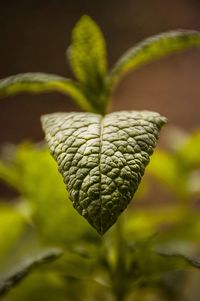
x,y
7,283
12,226
37,179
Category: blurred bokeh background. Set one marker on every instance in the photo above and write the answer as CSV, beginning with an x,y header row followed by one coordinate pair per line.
x,y
34,37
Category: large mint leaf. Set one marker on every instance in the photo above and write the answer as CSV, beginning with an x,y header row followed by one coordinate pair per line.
x,y
102,160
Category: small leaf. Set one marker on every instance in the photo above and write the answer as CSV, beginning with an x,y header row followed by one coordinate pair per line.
x,y
40,83
102,160
154,48
87,57
87,53
16,277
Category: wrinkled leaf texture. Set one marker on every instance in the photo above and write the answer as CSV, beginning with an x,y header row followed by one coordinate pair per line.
x,y
102,159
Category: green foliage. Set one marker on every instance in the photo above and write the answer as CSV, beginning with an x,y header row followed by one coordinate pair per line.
x,y
148,247
87,57
181,166
15,278
153,48
187,259
12,227
48,221
102,160
88,60
40,83
31,180
87,53
127,260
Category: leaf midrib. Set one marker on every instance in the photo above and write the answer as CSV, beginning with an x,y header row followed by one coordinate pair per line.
x,y
100,171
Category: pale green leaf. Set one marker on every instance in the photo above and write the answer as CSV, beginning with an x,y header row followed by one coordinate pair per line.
x,y
9,175
165,168
53,217
87,57
102,160
189,151
87,53
40,83
11,280
153,48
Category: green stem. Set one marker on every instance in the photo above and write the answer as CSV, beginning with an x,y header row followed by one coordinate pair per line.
x,y
119,277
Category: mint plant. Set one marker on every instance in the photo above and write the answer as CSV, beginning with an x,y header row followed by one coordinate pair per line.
x,y
102,157
101,160
152,249
87,56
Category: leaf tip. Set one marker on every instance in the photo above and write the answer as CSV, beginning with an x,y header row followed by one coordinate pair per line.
x,y
162,121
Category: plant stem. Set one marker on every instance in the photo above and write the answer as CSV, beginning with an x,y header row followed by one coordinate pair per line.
x,y
119,281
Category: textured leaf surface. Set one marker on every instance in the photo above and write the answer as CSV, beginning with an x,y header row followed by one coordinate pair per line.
x,y
102,160
40,82
17,276
154,48
87,53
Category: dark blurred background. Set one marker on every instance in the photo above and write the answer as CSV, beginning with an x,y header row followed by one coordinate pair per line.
x,y
35,34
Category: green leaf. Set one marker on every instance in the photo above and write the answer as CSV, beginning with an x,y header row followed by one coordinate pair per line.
x,y
102,160
177,255
87,57
173,176
9,175
87,53
7,283
153,48
26,171
44,284
12,227
40,83
189,151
